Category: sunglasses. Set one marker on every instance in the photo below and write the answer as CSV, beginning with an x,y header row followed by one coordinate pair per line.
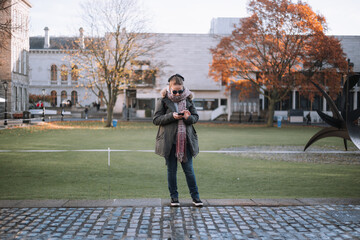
x,y
176,92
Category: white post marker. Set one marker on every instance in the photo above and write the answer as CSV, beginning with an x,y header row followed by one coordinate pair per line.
x,y
109,172
109,157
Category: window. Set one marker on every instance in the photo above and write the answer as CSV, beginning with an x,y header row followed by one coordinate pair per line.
x,y
53,98
25,97
74,97
144,104
53,74
25,62
149,77
63,97
20,61
284,104
13,57
206,104
74,73
22,66
64,75
16,98
142,73
304,103
223,102
17,60
20,99
317,103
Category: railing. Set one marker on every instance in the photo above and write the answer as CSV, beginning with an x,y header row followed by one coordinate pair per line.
x,y
245,107
218,112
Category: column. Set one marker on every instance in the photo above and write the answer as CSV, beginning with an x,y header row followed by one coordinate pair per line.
x,y
294,99
229,106
355,99
58,98
324,104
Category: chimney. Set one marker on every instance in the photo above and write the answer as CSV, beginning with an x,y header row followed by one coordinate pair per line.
x,y
82,42
47,38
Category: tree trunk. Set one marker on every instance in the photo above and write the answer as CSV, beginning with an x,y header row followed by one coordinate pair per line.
x,y
271,113
110,110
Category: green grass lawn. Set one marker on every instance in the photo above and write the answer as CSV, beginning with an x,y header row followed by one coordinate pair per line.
x,y
85,175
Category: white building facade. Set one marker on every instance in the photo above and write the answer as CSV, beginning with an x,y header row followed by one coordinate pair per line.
x,y
186,54
52,73
189,56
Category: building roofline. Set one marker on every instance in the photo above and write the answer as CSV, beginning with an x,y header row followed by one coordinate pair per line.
x,y
27,3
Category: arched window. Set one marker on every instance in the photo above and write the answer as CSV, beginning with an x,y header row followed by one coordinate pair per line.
x,y
53,74
74,73
64,74
63,96
101,98
74,97
53,98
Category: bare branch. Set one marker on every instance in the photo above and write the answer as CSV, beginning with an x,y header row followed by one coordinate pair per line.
x,y
116,39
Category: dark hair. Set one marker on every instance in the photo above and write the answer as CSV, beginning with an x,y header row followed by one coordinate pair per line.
x,y
178,79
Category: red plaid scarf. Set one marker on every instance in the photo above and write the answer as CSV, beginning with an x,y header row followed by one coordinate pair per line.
x,y
181,132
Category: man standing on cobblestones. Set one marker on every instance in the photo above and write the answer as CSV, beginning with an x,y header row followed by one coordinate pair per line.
x,y
176,140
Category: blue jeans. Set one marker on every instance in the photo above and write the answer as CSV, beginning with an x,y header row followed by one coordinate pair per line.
x,y
188,170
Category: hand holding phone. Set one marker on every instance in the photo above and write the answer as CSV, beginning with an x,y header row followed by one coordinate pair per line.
x,y
177,115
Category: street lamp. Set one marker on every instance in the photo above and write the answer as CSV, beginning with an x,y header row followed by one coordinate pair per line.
x,y
43,115
5,84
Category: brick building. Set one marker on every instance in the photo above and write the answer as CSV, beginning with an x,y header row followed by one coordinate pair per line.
x,y
14,57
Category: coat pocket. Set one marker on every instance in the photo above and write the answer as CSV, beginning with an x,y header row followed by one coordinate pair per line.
x,y
195,133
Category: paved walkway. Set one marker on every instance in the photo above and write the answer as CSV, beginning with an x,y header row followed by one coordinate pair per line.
x,y
154,219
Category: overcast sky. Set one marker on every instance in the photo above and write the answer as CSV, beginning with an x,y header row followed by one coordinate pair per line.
x,y
185,16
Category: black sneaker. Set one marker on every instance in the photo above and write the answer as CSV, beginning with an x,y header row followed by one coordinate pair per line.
x,y
197,202
175,202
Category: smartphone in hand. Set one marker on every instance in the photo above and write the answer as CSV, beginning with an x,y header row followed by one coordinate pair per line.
x,y
182,114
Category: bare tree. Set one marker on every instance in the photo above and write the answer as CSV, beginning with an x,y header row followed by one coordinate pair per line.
x,y
5,22
117,39
7,25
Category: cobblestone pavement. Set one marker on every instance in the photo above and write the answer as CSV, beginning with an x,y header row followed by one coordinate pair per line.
x,y
210,222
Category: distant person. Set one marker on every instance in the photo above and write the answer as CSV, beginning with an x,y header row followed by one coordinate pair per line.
x,y
308,119
40,105
86,112
176,140
124,111
250,117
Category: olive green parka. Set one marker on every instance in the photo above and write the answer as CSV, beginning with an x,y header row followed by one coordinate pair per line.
x,y
168,125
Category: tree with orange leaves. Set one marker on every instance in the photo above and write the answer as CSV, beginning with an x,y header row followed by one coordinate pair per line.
x,y
275,50
324,63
